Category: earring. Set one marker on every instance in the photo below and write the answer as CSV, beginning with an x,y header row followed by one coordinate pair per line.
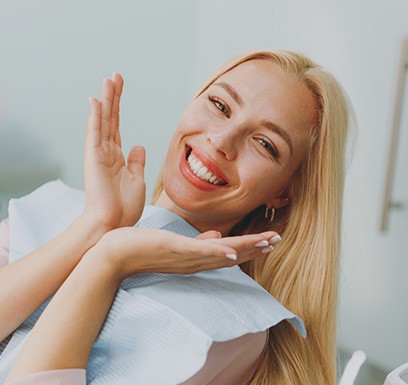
x,y
269,216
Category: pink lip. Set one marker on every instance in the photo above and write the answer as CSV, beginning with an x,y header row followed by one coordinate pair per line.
x,y
207,162
194,179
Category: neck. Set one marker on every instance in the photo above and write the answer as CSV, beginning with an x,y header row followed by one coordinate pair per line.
x,y
200,221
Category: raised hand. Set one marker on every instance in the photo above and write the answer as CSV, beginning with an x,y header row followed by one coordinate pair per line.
x,y
114,188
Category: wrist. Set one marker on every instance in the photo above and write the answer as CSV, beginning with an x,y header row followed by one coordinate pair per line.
x,y
99,262
92,227
122,249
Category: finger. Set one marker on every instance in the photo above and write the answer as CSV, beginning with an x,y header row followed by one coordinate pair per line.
x,y
248,241
108,90
136,161
206,247
93,133
114,129
211,234
250,256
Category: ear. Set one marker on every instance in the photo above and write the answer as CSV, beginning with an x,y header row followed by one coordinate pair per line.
x,y
279,201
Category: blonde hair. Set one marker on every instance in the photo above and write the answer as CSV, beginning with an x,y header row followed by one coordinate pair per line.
x,y
302,271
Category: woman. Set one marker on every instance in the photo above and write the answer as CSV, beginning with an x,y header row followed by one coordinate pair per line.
x,y
266,135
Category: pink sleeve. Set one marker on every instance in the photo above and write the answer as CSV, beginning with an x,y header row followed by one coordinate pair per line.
x,y
4,242
228,363
232,362
52,377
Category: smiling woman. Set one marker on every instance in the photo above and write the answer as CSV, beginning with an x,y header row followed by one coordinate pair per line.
x,y
258,152
233,128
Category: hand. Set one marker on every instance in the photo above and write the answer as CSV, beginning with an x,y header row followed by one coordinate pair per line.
x,y
136,250
114,189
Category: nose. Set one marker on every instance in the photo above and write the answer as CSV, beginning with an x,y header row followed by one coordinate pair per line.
x,y
225,142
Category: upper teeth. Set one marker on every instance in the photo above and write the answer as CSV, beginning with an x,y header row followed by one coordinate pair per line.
x,y
200,170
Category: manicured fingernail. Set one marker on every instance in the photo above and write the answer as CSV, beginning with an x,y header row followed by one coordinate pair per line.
x,y
262,243
267,249
275,239
231,256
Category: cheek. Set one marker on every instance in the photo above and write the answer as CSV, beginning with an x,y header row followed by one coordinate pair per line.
x,y
255,175
196,119
263,177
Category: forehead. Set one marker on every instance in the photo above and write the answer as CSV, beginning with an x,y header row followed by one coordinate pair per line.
x,y
270,93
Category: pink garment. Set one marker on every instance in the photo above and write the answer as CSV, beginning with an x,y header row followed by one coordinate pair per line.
x,y
231,362
52,377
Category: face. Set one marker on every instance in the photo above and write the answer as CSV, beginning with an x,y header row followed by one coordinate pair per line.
x,y
237,146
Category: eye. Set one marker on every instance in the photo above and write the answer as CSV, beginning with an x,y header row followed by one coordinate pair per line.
x,y
220,106
269,147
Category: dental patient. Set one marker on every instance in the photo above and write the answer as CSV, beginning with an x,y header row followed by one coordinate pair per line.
x,y
229,276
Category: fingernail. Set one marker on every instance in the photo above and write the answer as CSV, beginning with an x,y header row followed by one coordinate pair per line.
x,y
262,243
231,256
267,249
275,239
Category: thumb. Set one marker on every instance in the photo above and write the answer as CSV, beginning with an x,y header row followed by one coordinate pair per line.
x,y
136,161
211,234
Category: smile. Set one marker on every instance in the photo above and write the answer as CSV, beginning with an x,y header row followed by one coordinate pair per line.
x,y
201,171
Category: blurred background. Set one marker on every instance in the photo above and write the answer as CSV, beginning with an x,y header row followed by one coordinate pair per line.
x,y
55,54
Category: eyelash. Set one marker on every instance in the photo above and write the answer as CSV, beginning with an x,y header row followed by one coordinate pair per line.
x,y
224,109
269,147
220,106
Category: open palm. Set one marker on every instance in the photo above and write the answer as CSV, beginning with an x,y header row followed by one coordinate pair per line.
x,y
114,188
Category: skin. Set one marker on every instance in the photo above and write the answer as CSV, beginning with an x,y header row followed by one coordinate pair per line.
x,y
233,138
89,275
114,192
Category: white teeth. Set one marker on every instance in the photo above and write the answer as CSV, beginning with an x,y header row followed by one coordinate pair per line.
x,y
201,171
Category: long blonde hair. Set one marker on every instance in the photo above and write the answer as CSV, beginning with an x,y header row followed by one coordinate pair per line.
x,y
302,271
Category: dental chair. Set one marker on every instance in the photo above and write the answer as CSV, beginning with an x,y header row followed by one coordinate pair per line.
x,y
398,376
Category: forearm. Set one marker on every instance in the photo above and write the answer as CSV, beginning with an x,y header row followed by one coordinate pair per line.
x,y
28,282
64,334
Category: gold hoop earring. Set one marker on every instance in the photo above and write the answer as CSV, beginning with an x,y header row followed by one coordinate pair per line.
x,y
269,213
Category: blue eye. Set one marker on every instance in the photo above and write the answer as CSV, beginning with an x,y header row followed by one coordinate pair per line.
x,y
219,105
269,147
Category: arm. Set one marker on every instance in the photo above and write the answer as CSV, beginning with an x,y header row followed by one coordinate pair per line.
x,y
115,193
64,335
28,282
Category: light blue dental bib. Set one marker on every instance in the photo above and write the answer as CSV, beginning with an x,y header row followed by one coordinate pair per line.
x,y
160,326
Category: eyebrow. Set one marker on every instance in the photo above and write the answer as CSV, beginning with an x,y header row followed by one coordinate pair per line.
x,y
267,124
231,91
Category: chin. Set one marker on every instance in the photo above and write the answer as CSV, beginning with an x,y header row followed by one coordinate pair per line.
x,y
183,199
